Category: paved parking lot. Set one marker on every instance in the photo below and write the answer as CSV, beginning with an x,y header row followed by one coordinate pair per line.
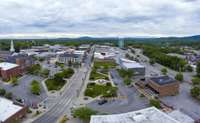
x,y
129,99
184,102
22,90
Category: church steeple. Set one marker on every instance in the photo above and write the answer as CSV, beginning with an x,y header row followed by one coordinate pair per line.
x,y
12,49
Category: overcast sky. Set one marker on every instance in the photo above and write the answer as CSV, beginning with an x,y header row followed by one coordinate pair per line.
x,y
100,17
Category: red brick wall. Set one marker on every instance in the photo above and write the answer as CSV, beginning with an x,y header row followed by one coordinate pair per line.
x,y
7,74
17,115
165,90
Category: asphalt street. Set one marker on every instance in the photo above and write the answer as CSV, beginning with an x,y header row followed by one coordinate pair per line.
x,y
65,101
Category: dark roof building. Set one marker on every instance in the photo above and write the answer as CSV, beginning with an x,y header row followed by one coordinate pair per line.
x,y
164,85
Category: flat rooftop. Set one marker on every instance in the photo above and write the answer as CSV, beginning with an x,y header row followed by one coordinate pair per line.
x,y
7,109
130,64
148,115
7,66
163,80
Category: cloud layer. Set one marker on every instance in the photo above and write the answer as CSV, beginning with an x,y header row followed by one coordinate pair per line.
x,y
101,17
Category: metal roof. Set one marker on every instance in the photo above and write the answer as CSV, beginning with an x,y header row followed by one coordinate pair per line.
x,y
7,66
148,115
7,109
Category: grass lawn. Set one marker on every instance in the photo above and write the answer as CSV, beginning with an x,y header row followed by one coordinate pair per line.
x,y
95,75
101,67
105,65
94,90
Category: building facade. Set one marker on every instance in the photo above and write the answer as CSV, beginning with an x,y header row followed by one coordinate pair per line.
x,y
9,70
164,85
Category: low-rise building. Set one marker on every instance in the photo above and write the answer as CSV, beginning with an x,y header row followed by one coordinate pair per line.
x,y
9,70
71,57
132,65
23,60
164,85
10,112
148,115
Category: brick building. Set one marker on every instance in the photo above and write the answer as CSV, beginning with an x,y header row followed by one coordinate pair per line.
x,y
23,60
9,70
10,112
164,85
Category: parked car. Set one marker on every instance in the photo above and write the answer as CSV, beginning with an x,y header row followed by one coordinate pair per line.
x,y
101,102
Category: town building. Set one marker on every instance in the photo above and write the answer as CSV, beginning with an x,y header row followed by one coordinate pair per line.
x,y
73,56
164,85
23,60
132,65
148,115
10,112
9,70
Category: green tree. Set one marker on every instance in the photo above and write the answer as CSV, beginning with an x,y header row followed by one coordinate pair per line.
x,y
198,69
45,72
2,92
84,113
35,87
179,77
189,68
152,61
14,81
164,71
155,103
195,92
9,95
127,80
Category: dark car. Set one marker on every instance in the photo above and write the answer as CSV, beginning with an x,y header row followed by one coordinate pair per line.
x,y
101,102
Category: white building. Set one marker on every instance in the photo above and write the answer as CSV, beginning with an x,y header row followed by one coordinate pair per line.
x,y
148,115
10,111
132,65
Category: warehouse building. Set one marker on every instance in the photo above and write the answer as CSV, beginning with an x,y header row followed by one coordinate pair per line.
x,y
132,65
9,70
164,85
148,115
10,112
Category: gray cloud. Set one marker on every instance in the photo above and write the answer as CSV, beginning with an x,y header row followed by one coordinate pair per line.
x,y
101,17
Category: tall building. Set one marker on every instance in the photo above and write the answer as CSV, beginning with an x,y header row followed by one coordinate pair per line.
x,y
12,49
121,43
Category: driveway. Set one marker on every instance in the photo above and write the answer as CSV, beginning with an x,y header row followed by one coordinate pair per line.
x,y
22,90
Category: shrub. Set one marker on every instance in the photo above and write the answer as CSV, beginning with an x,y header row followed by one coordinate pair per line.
x,y
155,103
35,87
179,77
2,92
8,95
83,113
164,71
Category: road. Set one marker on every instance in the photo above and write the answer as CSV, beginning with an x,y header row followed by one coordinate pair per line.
x,y
68,97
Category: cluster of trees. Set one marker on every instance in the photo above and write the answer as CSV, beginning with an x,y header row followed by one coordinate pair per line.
x,y
34,69
35,87
126,75
155,103
6,94
57,82
160,57
195,90
83,113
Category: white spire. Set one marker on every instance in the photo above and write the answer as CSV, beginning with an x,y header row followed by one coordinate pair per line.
x,y
12,49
